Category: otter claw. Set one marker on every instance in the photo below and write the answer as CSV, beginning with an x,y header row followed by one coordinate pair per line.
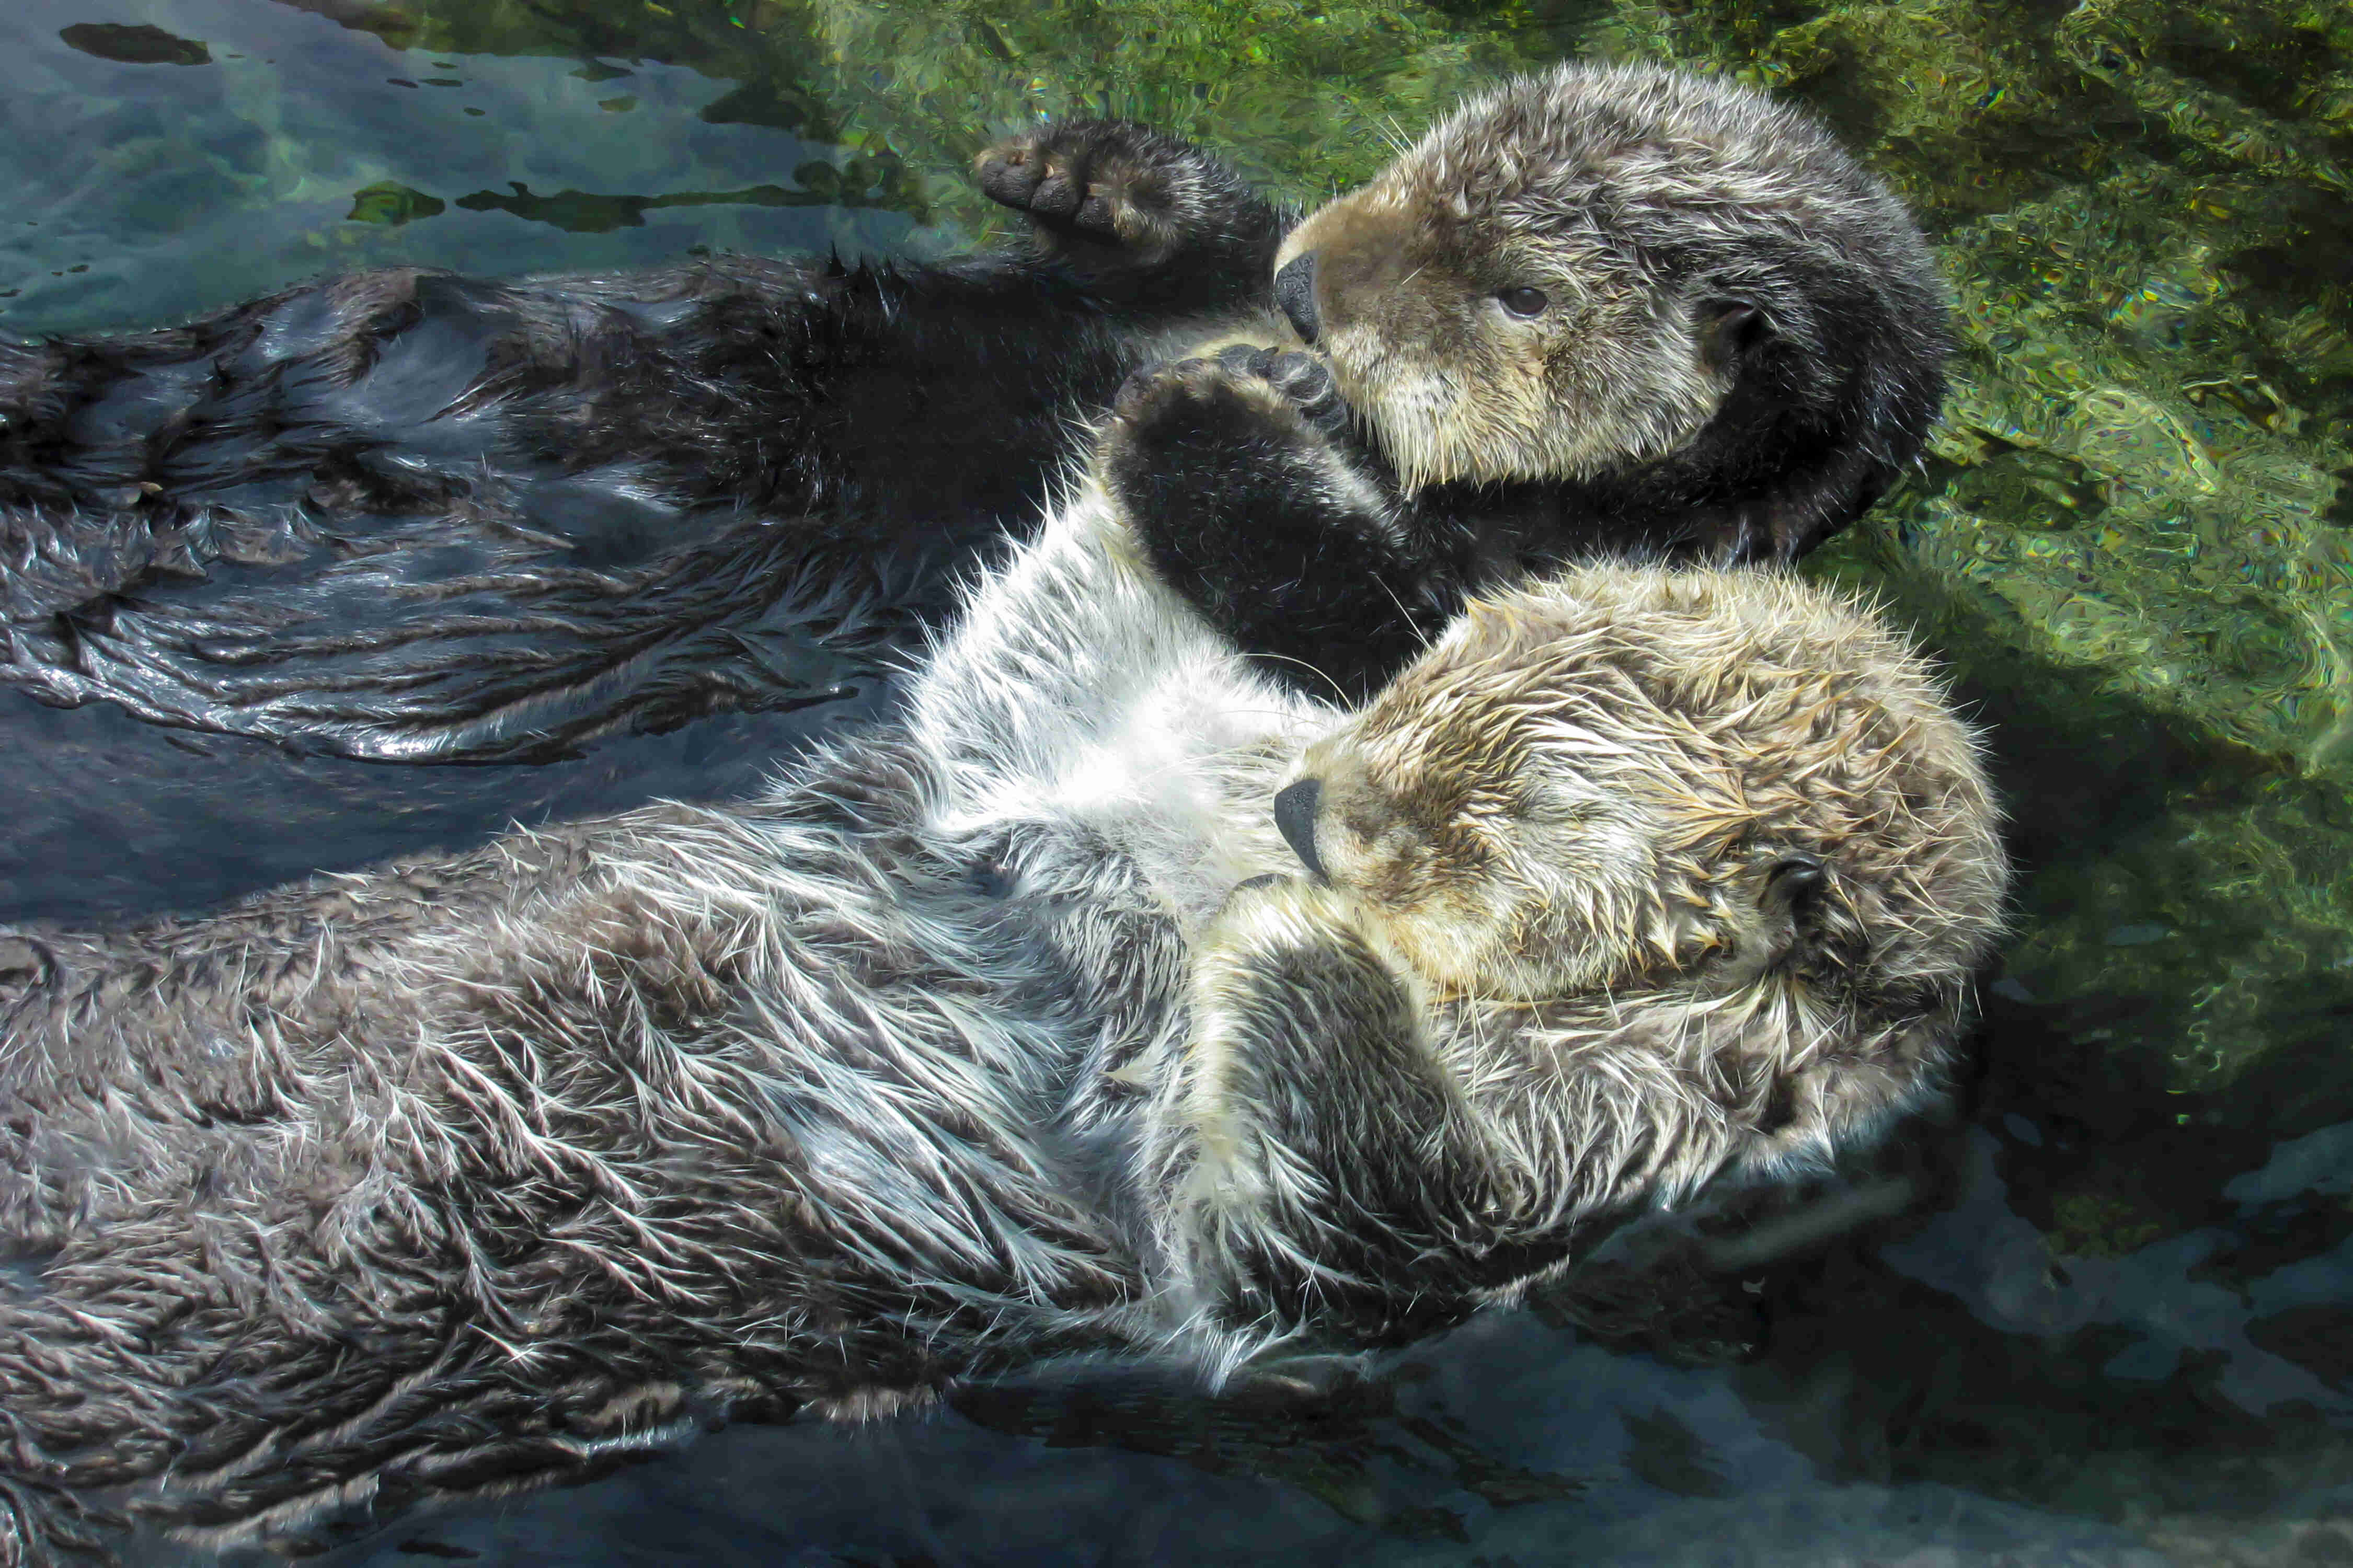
x,y
1304,379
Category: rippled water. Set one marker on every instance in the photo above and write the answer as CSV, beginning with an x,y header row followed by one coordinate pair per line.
x,y
2099,1313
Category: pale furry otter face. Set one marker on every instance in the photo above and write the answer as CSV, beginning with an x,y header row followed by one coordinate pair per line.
x,y
1580,271
1627,779
1637,878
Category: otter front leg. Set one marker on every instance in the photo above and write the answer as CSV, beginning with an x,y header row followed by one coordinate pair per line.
x,y
1318,1163
1122,203
1236,474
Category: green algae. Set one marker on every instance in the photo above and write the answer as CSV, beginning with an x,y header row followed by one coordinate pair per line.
x,y
391,203
1309,97
2098,1225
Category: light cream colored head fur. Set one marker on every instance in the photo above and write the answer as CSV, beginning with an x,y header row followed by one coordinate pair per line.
x,y
1627,788
1571,273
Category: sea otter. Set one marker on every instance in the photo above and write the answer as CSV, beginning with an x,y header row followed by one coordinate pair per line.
x,y
410,516
1603,311
1116,999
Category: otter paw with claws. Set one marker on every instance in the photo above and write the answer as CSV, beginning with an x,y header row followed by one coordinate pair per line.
x,y
1306,380
1109,193
1238,476
1245,401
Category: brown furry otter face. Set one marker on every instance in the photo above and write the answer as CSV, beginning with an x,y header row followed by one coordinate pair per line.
x,y
1636,879
1578,272
1625,779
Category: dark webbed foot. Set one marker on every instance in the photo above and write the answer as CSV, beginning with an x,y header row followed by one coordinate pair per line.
x,y
1111,196
1241,475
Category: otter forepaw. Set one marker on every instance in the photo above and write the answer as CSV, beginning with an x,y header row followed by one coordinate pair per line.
x,y
1316,1156
1304,379
1110,193
1238,474
1196,409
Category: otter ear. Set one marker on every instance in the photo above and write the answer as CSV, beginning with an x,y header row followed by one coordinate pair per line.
x,y
1790,902
1789,907
1793,887
1731,330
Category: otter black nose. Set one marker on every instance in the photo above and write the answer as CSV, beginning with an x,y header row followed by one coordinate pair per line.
x,y
1294,818
1294,290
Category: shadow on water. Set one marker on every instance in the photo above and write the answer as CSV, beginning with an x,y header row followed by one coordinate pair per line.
x,y
2099,1311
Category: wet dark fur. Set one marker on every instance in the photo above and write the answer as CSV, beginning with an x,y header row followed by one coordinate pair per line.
x,y
410,516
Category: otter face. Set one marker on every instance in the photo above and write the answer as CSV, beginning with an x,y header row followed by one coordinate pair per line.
x,y
1489,868
1629,781
1476,353
1590,271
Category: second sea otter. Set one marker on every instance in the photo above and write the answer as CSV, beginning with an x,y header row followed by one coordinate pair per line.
x,y
1113,1000
1606,310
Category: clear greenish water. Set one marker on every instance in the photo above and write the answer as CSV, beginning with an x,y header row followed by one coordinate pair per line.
x,y
2100,1313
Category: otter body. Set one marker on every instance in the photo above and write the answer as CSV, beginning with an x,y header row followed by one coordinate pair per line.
x,y
1118,1000
409,516
413,517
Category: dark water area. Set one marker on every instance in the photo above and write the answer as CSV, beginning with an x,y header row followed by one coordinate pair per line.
x,y
2098,1309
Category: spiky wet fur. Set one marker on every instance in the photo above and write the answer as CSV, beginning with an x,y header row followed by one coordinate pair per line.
x,y
1007,1032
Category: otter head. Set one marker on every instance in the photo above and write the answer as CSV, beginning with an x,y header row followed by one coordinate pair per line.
x,y
1718,824
1662,285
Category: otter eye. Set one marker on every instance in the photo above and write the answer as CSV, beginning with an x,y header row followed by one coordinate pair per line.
x,y
1522,301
